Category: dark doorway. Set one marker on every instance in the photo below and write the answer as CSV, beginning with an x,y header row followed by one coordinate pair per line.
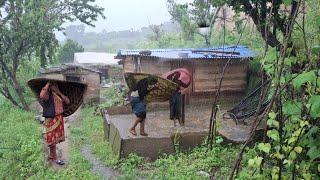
x,y
73,78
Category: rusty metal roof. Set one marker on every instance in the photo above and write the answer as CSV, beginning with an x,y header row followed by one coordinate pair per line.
x,y
65,67
233,52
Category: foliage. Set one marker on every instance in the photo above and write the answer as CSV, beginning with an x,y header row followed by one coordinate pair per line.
x,y
291,149
113,96
200,163
196,14
270,17
114,40
66,52
20,41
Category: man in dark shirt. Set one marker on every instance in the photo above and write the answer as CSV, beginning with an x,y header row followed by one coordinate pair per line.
x,y
137,97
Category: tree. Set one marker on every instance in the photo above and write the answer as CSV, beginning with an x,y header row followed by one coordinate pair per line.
x,y
27,30
157,32
76,33
199,13
290,147
66,52
270,17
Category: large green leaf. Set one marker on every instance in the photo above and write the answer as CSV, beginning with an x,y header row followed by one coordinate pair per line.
x,y
273,134
314,152
316,49
287,2
292,108
314,102
265,147
303,78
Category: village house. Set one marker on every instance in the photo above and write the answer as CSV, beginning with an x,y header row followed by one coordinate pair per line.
x,y
103,62
77,73
205,65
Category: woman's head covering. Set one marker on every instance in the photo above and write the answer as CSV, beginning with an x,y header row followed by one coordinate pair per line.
x,y
73,90
184,78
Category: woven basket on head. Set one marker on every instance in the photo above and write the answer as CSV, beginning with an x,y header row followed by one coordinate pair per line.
x,y
163,90
73,90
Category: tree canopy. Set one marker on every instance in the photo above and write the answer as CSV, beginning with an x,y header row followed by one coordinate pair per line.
x,y
198,13
27,30
66,52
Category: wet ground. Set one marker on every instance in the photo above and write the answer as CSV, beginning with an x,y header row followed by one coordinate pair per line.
x,y
97,166
197,118
158,123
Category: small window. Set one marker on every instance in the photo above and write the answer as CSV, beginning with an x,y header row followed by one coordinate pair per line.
x,y
73,78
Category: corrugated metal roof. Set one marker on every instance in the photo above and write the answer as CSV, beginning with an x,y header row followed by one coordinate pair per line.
x,y
95,58
64,67
234,52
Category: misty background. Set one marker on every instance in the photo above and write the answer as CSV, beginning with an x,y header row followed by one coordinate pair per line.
x,y
128,23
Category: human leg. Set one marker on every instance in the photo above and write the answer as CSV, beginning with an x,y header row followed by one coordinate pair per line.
x,y
132,129
181,108
142,126
52,152
173,108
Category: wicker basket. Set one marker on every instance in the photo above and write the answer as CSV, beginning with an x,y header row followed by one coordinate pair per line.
x,y
163,90
73,90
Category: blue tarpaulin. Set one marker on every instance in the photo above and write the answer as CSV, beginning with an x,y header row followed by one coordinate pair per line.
x,y
234,52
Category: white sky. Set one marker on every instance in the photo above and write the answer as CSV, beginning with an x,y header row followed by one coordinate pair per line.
x,y
131,14
127,15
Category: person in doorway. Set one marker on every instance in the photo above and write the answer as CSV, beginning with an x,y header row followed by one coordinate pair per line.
x,y
53,101
137,101
181,77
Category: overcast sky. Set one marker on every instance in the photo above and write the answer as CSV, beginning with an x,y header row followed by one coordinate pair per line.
x,y
127,15
130,14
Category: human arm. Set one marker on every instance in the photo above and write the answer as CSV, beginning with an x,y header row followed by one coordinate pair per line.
x,y
65,98
185,85
128,95
173,76
44,94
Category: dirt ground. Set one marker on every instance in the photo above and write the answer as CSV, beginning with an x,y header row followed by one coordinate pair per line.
x,y
63,147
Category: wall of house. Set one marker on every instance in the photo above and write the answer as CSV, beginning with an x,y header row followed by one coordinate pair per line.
x,y
115,73
128,64
93,91
207,74
92,79
54,76
146,65
155,66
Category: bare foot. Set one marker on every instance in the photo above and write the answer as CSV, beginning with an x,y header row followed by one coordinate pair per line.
x,y
143,134
133,131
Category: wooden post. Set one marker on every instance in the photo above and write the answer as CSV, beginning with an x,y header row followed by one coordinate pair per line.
x,y
106,123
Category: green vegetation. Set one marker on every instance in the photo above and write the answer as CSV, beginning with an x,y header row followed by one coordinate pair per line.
x,y
67,50
290,150
28,32
112,96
